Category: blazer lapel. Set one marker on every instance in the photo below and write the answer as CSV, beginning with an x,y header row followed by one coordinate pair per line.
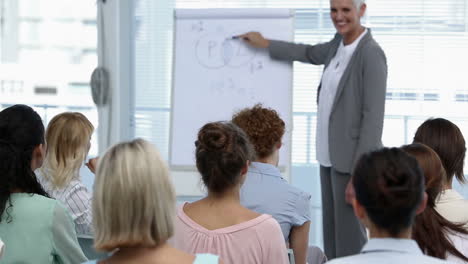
x,y
349,68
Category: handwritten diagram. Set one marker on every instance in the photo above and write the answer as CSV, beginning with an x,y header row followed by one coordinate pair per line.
x,y
215,75
215,51
230,88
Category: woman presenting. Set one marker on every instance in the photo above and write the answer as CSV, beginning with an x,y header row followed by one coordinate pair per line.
x,y
351,104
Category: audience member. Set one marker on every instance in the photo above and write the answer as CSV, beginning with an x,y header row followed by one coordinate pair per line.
x,y
264,189
435,235
218,223
35,228
446,139
389,187
68,138
134,207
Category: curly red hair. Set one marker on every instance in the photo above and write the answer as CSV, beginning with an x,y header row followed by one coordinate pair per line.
x,y
263,126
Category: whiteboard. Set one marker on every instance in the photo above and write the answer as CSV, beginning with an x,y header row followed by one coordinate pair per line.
x,y
214,75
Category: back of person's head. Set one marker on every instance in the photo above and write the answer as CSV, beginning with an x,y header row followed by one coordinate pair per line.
x,y
430,227
432,168
263,126
68,138
21,142
389,184
134,200
222,152
446,139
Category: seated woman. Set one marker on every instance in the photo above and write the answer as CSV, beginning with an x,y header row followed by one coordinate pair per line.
x,y
218,223
446,139
435,235
389,187
68,138
134,207
35,228
265,190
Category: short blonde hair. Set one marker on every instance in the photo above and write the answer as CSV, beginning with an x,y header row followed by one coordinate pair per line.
x,y
134,200
68,135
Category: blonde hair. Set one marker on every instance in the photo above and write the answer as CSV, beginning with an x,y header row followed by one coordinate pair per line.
x,y
67,136
134,201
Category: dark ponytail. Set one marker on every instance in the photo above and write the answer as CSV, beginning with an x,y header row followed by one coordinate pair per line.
x,y
21,130
430,229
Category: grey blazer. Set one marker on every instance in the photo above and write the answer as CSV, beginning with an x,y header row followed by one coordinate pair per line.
x,y
357,115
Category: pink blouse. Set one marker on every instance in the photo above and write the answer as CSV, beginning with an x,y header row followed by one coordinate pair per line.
x,y
255,241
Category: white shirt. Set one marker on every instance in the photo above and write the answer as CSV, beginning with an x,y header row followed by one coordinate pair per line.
x,y
389,251
75,198
330,79
451,205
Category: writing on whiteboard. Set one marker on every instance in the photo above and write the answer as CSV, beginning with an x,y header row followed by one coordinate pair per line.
x,y
216,74
217,50
228,87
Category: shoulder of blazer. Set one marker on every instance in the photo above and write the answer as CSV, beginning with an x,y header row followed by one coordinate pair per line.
x,y
369,48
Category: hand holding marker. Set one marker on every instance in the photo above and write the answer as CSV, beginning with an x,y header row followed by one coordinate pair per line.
x,y
255,39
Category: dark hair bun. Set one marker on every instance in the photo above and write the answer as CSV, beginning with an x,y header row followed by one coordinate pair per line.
x,y
390,185
222,150
212,138
395,185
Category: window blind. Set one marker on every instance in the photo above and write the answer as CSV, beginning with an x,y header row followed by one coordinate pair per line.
x,y
47,52
426,43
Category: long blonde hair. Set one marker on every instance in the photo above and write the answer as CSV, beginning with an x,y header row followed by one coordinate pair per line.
x,y
134,200
68,135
